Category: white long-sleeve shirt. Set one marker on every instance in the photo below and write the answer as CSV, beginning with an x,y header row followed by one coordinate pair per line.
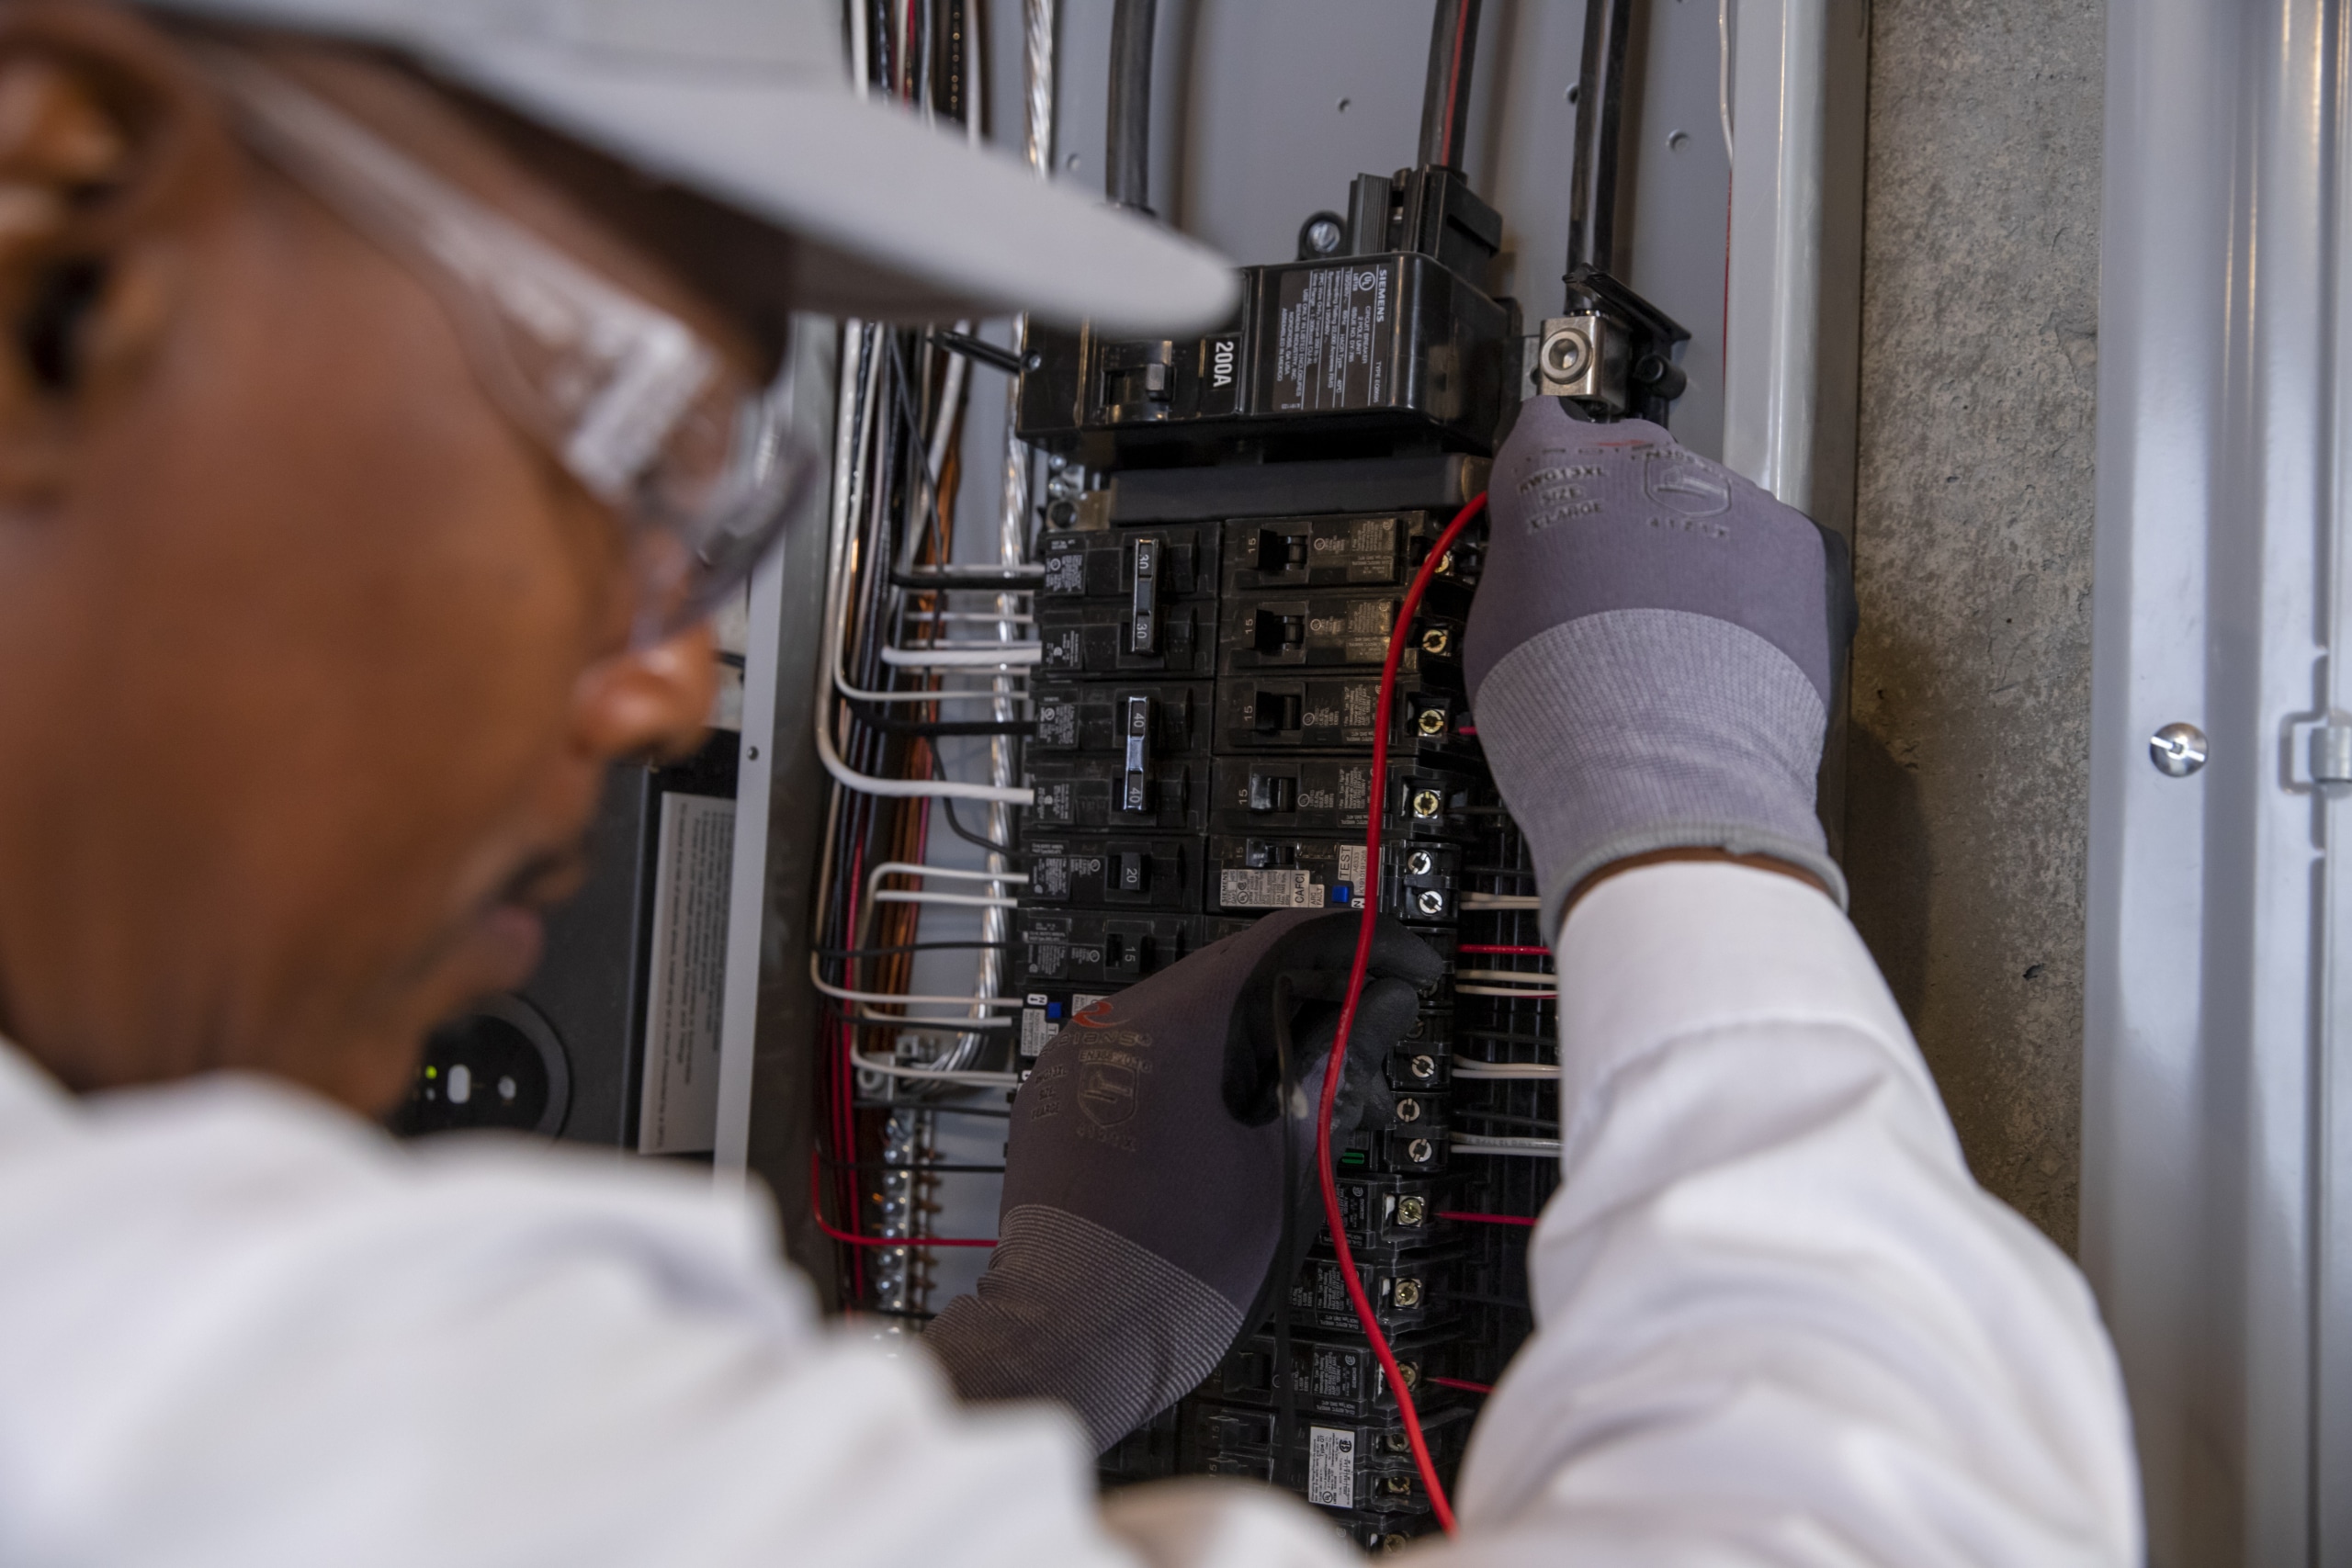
x,y
1779,1323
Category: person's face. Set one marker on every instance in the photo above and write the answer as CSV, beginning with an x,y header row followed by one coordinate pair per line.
x,y
310,662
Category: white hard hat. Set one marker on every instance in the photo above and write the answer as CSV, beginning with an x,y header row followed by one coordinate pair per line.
x,y
749,103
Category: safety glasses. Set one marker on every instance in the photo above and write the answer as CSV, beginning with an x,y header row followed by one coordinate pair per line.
x,y
652,420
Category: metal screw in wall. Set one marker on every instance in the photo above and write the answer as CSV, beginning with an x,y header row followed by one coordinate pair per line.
x,y
2177,750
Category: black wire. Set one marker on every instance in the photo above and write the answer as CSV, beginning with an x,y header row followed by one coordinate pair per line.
x,y
970,837
931,1109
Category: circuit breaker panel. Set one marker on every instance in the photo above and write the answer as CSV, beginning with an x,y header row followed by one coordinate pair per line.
x,y
1243,514
1203,756
1139,712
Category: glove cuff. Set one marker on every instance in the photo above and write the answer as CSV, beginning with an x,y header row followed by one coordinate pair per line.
x,y
1070,1311
1628,732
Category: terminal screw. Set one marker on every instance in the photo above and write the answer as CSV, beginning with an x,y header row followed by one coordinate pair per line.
x,y
1566,353
1437,640
1428,803
1424,1067
1421,1151
1409,1292
1420,862
1408,1109
1432,722
1413,1211
1431,902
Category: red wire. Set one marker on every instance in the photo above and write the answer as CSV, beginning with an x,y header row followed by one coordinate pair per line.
x,y
1453,86
1356,973
1496,947
1486,1219
817,1212
1463,1384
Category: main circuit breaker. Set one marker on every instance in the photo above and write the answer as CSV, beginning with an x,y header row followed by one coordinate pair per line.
x,y
1239,517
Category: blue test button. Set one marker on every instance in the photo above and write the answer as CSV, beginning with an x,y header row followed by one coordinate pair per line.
x,y
1052,1011
1340,892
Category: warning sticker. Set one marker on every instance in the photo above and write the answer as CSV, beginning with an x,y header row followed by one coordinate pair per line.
x,y
1330,1467
1331,349
1268,890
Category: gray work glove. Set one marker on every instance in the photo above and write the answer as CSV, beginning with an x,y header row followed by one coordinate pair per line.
x,y
1651,653
1143,1186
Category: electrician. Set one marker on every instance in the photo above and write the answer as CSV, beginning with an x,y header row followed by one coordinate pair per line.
x,y
363,470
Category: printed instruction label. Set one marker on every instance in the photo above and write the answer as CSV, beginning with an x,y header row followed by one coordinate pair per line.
x,y
1331,349
687,989
1330,1467
1268,890
1351,867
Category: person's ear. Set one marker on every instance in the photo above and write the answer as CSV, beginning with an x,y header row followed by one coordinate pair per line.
x,y
109,146
649,702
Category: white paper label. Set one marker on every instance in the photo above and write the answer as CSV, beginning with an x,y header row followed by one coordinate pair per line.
x,y
1268,890
1330,1467
1035,1031
687,989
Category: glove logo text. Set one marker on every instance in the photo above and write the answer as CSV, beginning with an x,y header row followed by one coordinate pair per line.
x,y
1110,1086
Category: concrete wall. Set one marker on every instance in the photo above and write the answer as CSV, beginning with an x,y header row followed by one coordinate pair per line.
x,y
1968,756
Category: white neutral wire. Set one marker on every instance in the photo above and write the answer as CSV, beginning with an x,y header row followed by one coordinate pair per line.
x,y
1723,71
953,655
1506,991
866,1014
1507,1149
951,397
1511,977
1500,1071
1501,901
935,1074
841,993
953,900
953,872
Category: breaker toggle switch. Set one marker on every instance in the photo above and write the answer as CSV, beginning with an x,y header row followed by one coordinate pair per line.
x,y
1134,783
1135,871
1277,634
1143,624
1273,792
